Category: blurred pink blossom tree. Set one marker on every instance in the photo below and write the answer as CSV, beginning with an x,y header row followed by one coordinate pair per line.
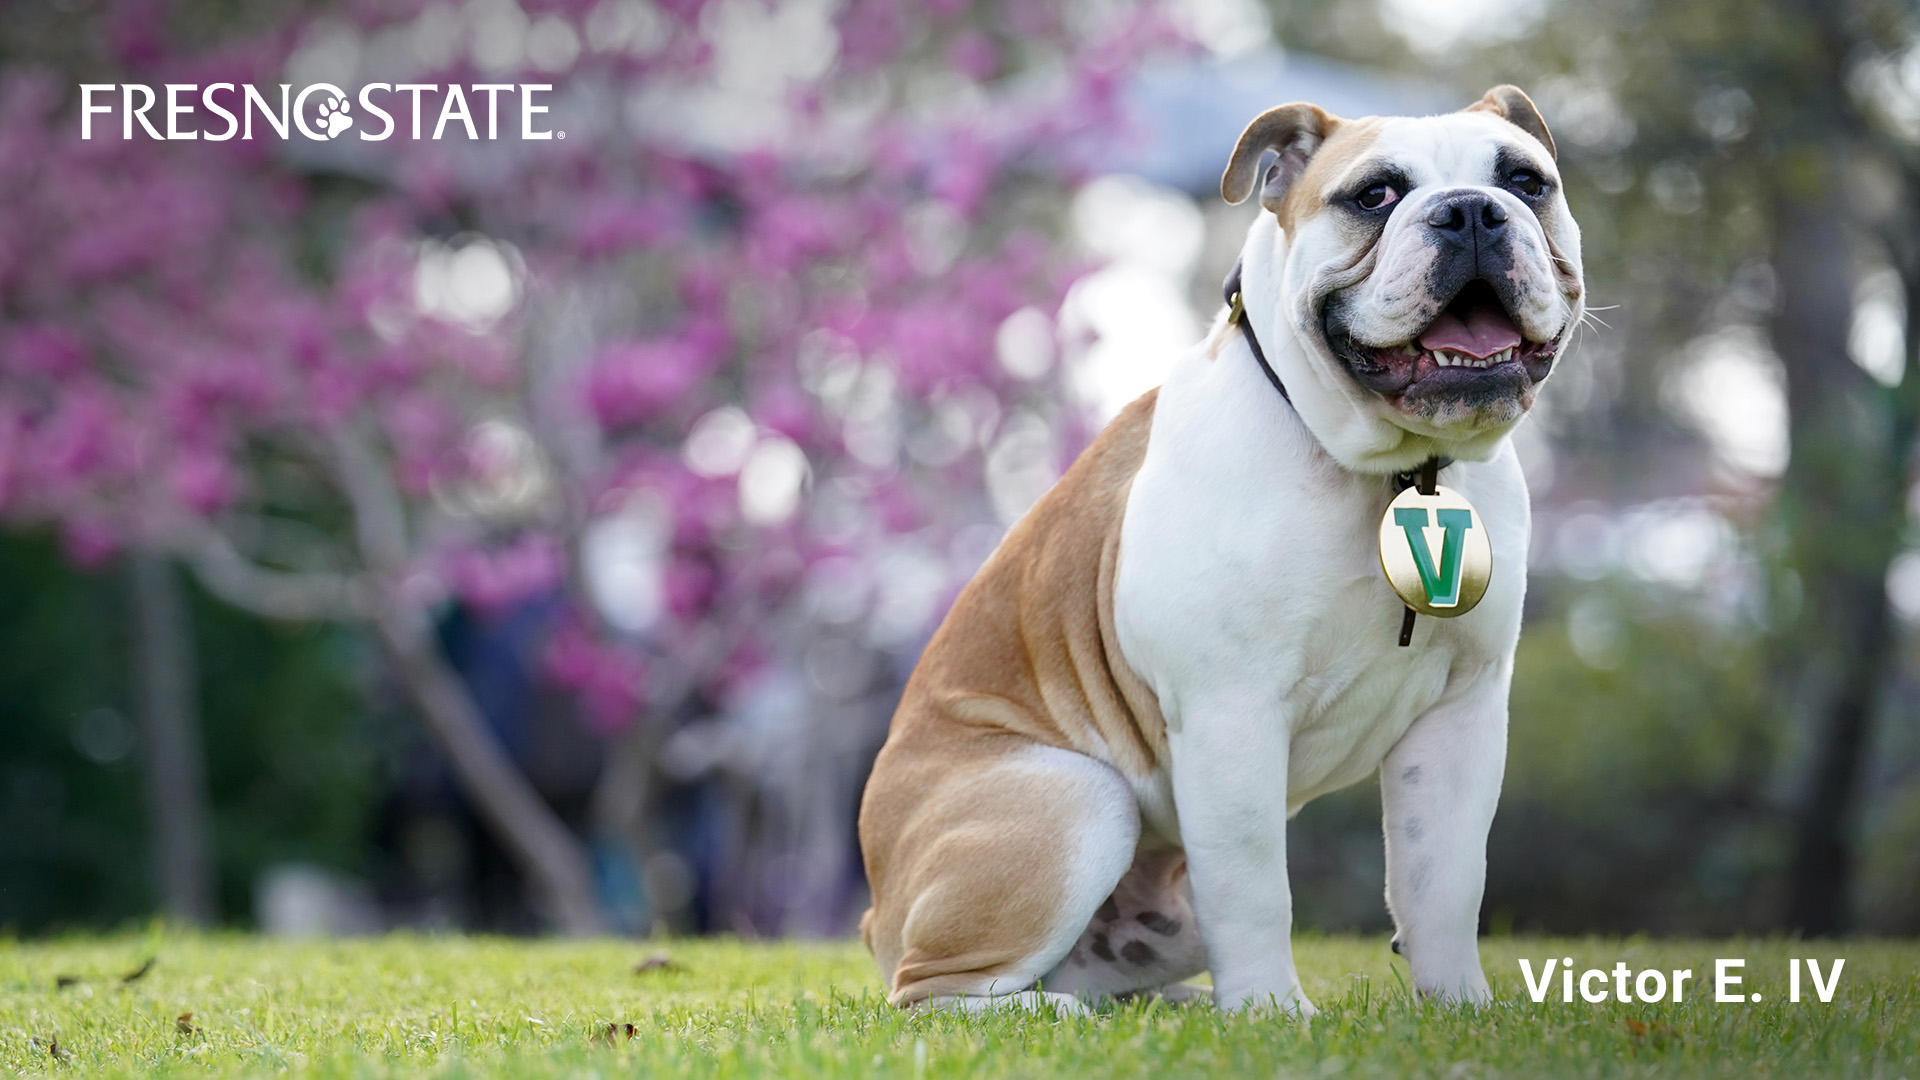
x,y
744,322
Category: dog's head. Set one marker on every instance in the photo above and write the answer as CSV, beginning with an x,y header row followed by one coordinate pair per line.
x,y
1428,268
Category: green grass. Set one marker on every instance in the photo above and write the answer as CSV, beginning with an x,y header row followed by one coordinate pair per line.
x,y
452,1006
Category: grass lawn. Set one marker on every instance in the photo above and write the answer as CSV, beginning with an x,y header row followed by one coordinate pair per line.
x,y
452,1006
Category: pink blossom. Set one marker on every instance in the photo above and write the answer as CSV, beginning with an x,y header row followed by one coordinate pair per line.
x,y
871,33
205,481
90,541
188,325
495,580
632,382
610,681
899,508
44,351
783,408
973,56
609,225
83,437
741,669
689,588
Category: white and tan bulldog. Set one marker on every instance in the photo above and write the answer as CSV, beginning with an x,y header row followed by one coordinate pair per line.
x,y
1086,788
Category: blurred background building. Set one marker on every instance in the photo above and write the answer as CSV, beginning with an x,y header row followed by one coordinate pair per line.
x,y
535,535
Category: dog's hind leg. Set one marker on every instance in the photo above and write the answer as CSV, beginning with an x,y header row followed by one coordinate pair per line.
x,y
985,872
1142,938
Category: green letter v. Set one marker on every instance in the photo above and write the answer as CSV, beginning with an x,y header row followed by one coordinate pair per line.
x,y
1443,587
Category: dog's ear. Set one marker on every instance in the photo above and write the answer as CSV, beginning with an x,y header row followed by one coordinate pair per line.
x,y
1514,106
1296,131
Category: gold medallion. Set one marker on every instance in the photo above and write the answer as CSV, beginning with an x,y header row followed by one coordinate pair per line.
x,y
1435,551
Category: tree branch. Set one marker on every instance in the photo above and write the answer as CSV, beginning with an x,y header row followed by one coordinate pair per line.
x,y
275,594
379,513
555,860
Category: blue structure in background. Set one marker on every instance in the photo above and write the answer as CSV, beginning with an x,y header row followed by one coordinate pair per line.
x,y
1187,115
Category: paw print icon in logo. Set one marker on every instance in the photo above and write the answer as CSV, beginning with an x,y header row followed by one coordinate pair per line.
x,y
333,113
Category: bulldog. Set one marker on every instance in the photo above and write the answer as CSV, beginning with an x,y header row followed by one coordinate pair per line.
x,y
1086,787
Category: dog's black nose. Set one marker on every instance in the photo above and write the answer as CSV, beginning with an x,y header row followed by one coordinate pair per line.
x,y
1463,215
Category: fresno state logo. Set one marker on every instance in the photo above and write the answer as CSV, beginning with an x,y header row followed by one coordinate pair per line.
x,y
319,111
1435,552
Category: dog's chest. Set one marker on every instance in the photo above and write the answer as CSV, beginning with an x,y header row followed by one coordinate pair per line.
x,y
1250,592
1354,691
1317,635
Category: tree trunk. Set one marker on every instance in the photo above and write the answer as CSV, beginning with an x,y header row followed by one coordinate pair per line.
x,y
1842,501
554,860
167,708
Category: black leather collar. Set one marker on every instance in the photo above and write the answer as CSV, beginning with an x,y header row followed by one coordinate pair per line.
x,y
1237,315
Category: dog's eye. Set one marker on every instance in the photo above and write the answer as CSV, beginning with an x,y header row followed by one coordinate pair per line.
x,y
1527,182
1377,196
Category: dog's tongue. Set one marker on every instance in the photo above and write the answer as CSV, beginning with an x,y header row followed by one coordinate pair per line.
x,y
1485,331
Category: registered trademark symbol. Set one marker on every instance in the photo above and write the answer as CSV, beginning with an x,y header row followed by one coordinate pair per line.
x,y
560,134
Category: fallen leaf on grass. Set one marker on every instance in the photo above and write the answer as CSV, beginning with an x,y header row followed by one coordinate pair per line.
x,y
138,973
1657,1033
609,1033
184,1022
657,962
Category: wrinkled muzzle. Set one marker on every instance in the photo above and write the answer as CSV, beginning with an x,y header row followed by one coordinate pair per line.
x,y
1462,312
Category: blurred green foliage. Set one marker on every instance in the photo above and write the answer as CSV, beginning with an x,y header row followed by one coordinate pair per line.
x,y
72,840
1637,773
1643,789
290,776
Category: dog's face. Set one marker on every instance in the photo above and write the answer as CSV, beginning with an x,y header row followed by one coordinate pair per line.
x,y
1431,262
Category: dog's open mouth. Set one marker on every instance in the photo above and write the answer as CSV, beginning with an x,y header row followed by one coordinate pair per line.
x,y
1474,341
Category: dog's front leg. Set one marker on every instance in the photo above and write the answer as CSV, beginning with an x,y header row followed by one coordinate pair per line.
x,y
1438,789
1229,765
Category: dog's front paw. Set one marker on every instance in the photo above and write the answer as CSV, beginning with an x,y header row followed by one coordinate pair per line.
x,y
1467,989
1292,1003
